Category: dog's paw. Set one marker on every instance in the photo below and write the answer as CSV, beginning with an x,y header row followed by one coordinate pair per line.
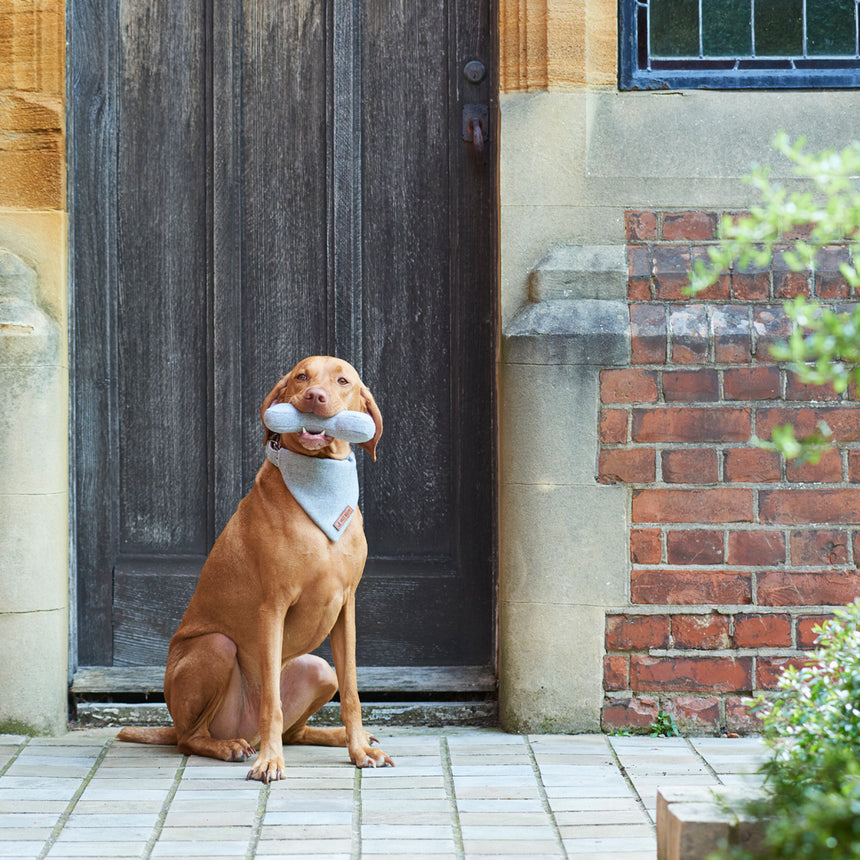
x,y
368,756
238,750
268,770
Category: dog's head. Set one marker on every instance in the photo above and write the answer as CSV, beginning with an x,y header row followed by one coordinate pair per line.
x,y
324,386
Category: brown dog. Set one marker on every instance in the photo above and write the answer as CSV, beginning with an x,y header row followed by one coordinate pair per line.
x,y
274,586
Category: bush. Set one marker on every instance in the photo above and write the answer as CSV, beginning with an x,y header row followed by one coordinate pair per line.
x,y
812,780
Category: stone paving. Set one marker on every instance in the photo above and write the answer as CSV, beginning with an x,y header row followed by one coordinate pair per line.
x,y
454,793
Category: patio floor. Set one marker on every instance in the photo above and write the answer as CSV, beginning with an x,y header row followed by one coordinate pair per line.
x,y
454,793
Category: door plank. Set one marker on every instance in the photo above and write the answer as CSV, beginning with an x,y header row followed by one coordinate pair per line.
x,y
374,679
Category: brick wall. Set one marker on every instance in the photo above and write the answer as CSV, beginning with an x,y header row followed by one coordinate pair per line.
x,y
735,554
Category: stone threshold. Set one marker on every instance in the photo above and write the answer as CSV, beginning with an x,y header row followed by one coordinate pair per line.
x,y
425,714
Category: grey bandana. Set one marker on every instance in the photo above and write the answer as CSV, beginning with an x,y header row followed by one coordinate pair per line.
x,y
326,489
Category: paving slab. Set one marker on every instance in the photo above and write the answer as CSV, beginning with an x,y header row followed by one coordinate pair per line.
x,y
454,793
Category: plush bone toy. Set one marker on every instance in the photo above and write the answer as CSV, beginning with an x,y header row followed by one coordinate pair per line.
x,y
347,425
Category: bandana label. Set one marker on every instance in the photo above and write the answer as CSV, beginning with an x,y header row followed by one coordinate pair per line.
x,y
344,518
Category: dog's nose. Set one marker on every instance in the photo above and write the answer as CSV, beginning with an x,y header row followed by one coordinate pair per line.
x,y
316,396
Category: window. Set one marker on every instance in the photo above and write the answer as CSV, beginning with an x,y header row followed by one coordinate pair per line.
x,y
732,44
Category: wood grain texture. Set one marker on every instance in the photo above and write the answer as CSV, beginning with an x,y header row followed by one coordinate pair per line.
x,y
376,679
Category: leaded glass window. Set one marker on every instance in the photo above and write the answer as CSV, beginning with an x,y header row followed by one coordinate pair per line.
x,y
740,43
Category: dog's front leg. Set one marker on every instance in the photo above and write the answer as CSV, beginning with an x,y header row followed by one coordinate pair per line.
x,y
270,762
361,753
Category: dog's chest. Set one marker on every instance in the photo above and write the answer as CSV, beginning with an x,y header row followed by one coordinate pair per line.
x,y
313,614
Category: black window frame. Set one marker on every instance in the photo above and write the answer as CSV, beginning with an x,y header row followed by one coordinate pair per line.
x,y
706,75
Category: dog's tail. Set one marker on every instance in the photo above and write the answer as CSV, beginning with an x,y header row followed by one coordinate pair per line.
x,y
149,736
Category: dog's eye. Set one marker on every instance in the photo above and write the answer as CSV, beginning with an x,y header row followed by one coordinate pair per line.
x,y
343,381
302,376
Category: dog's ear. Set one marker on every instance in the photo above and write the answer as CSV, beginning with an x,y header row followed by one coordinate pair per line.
x,y
372,410
274,396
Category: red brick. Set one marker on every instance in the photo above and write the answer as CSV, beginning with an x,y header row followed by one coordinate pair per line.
x,y
751,286
751,465
690,674
613,426
756,548
814,547
720,290
639,289
614,672
640,226
843,421
636,713
762,631
769,670
788,285
831,285
628,385
637,632
716,505
690,466
690,587
807,625
627,466
671,272
694,546
647,334
856,542
751,383
798,506
732,334
689,332
690,225
688,386
740,716
701,631
639,263
645,546
854,466
693,714
691,424
771,325
827,470
639,273
797,390
788,588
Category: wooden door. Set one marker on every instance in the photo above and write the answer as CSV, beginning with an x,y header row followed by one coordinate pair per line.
x,y
254,181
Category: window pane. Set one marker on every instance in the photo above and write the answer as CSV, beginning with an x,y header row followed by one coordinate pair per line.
x,y
675,28
779,28
726,28
830,27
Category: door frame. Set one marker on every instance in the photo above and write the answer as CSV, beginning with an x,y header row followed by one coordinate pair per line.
x,y
88,135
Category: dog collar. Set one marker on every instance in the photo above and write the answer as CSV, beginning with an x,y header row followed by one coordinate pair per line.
x,y
326,489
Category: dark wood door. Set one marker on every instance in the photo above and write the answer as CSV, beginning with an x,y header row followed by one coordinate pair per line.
x,y
253,182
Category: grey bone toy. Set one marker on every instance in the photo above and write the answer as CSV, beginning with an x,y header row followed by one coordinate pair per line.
x,y
347,425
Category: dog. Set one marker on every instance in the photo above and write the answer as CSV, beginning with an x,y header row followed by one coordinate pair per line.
x,y
239,669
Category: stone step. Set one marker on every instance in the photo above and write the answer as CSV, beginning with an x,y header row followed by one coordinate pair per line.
x,y
424,714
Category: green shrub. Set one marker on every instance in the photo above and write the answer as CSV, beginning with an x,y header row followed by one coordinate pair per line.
x,y
812,779
824,346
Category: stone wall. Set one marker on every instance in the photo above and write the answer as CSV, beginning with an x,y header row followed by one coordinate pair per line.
x,y
34,417
735,554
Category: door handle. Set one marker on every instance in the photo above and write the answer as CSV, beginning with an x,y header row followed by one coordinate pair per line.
x,y
475,128
476,124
